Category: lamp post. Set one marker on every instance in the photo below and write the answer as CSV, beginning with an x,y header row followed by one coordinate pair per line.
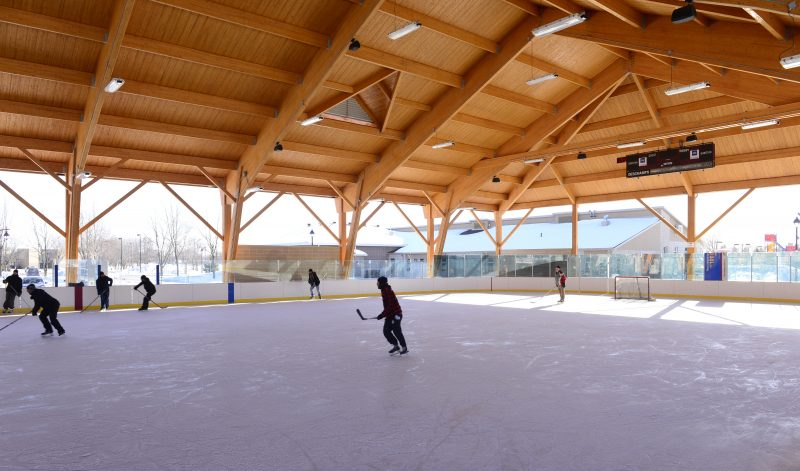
x,y
140,251
311,233
796,225
120,253
202,268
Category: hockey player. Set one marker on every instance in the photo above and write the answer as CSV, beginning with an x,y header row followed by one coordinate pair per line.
x,y
49,306
13,289
149,288
392,315
103,284
313,281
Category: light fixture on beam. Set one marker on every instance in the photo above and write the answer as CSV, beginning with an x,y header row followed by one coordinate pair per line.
x,y
533,161
691,137
542,78
312,120
405,30
581,155
354,45
686,88
760,124
790,62
444,144
114,85
558,25
495,179
254,189
628,145
278,147
684,14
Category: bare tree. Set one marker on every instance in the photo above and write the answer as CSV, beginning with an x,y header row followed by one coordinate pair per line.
x,y
7,244
160,241
175,235
211,243
92,241
49,245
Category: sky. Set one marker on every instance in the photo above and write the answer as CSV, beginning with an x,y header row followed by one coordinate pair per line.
x,y
765,211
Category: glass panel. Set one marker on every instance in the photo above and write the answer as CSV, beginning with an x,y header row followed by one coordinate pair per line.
x,y
506,265
784,267
737,267
673,266
765,267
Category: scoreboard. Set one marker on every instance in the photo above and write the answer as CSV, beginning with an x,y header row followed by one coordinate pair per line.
x,y
670,160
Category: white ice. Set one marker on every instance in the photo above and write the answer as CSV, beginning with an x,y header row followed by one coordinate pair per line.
x,y
493,382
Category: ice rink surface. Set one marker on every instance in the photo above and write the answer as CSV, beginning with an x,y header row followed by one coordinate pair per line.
x,y
493,382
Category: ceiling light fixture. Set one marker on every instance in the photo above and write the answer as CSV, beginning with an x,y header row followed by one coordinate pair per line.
x,y
444,144
114,85
312,120
628,145
407,29
278,147
533,161
581,155
495,179
691,137
760,124
354,45
790,62
558,25
684,14
542,78
686,88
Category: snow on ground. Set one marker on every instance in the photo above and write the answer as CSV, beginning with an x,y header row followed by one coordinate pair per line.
x,y
493,382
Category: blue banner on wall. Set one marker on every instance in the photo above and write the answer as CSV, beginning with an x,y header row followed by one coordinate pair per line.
x,y
713,267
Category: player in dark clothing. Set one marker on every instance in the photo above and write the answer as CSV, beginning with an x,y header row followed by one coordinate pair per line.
x,y
13,289
392,315
149,288
104,284
49,306
313,281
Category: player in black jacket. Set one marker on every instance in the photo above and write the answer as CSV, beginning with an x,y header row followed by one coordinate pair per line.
x,y
149,288
49,306
313,281
103,283
13,289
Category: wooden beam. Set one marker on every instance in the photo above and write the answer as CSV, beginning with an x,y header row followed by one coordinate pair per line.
x,y
374,212
123,10
410,223
40,111
488,124
385,59
687,183
204,100
315,174
622,11
161,157
567,6
112,206
321,222
340,194
725,12
215,182
191,209
769,22
392,101
441,27
44,169
52,24
174,129
338,123
110,170
450,170
46,72
311,149
485,230
205,58
250,20
519,224
575,126
724,213
433,203
261,211
448,105
33,209
690,42
519,99
560,179
549,67
524,5
648,100
661,218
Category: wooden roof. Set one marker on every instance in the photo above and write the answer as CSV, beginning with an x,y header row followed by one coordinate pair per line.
x,y
211,86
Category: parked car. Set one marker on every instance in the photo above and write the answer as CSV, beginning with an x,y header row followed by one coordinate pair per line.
x,y
32,271
36,280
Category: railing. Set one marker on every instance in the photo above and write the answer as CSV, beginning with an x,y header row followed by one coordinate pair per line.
x,y
756,267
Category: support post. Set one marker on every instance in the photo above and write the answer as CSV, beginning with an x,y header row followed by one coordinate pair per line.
x,y
430,223
690,235
341,212
574,229
498,232
72,227
232,218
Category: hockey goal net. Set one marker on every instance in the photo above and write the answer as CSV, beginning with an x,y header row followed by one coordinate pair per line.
x,y
632,287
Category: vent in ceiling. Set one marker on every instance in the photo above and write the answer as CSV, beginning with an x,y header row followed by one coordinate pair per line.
x,y
350,109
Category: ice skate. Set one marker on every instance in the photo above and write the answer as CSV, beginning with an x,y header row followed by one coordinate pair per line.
x,y
394,350
403,351
64,332
47,332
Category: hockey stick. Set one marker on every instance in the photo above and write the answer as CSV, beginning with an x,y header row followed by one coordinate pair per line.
x,y
358,311
20,297
93,300
15,320
151,299
545,294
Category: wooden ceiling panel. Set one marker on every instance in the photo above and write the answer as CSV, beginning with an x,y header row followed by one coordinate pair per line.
x,y
515,75
159,70
156,142
42,92
402,117
336,138
577,56
41,47
186,115
316,162
502,111
420,90
490,19
39,128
